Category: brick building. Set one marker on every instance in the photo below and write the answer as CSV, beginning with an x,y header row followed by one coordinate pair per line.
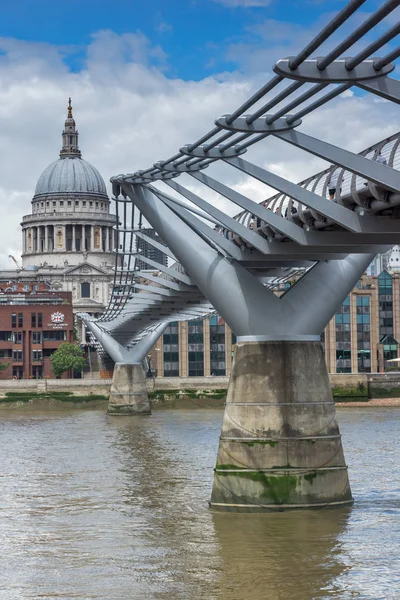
x,y
34,322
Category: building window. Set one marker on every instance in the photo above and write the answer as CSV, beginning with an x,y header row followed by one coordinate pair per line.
x,y
171,350
37,356
90,203
54,336
20,319
54,203
343,338
85,290
33,319
40,320
17,337
196,348
76,202
69,203
363,334
5,336
17,372
217,346
6,353
84,203
61,202
78,244
36,337
37,372
47,203
17,355
36,287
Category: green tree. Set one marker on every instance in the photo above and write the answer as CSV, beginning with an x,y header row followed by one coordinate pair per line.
x,y
4,366
67,356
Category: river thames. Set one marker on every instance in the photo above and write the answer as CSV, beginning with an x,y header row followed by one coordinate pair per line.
x,y
117,509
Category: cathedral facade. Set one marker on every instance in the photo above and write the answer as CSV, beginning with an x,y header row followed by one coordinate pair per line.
x,y
69,238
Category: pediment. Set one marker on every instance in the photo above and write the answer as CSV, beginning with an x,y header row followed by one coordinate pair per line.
x,y
85,269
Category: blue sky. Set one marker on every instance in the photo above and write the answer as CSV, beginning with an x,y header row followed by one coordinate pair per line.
x,y
197,37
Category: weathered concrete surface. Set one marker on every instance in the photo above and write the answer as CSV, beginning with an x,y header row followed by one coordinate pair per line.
x,y
280,445
128,395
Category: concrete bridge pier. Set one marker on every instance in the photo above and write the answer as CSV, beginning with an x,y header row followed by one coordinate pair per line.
x,y
128,394
280,444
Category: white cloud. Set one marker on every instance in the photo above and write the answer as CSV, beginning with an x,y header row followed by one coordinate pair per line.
x,y
130,114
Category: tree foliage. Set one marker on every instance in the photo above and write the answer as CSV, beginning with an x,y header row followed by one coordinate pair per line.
x,y
4,366
67,356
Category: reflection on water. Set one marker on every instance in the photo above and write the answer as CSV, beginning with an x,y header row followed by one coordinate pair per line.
x,y
281,555
116,508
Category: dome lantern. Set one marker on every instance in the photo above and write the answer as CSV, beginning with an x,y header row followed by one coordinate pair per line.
x,y
70,136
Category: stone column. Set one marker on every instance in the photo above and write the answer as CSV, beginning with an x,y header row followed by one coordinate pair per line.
x,y
128,395
91,238
46,238
73,238
101,239
107,239
280,445
83,239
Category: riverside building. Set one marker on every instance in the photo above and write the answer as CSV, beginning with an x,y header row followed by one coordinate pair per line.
x,y
34,322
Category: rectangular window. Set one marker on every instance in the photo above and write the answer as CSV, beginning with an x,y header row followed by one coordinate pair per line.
x,y
69,202
5,336
54,203
36,337
49,336
17,337
17,355
61,202
17,372
20,319
171,351
14,320
40,319
33,319
37,372
196,348
6,353
37,355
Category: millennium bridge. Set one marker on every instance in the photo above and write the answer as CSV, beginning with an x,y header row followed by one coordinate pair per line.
x,y
280,444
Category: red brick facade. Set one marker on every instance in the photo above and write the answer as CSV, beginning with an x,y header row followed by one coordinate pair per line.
x,y
33,324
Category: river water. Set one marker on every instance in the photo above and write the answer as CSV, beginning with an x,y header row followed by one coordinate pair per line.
x,y
116,508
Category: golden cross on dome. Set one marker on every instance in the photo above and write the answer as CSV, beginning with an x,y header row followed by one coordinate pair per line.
x,y
69,109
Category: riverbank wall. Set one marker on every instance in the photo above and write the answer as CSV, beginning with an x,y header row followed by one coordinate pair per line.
x,y
202,391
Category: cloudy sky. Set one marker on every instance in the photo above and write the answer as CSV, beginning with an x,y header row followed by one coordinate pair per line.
x,y
147,77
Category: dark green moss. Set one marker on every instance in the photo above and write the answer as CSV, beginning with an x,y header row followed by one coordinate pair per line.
x,y
276,488
58,396
350,392
377,392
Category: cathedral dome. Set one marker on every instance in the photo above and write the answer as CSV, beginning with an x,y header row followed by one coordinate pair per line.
x,y
70,174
